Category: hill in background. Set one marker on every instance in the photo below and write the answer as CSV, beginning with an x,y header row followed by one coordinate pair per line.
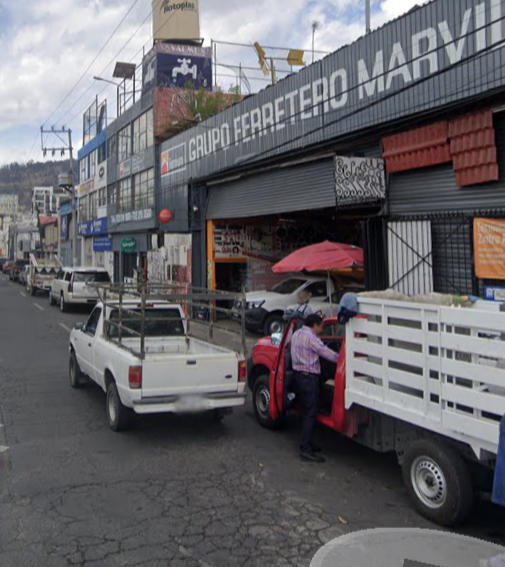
x,y
20,178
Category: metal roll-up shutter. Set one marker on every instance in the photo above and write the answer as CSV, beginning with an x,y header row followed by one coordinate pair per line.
x,y
284,190
434,189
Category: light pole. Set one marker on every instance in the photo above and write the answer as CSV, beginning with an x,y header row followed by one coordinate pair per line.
x,y
368,16
117,86
315,26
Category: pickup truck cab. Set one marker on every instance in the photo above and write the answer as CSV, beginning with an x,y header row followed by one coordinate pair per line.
x,y
265,309
420,380
146,362
71,287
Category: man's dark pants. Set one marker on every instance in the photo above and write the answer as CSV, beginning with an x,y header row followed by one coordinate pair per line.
x,y
307,391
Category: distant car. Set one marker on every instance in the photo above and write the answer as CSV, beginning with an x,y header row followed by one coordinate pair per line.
x,y
2,262
16,269
24,274
70,287
6,268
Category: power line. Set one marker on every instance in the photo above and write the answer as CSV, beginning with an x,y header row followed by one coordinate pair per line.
x,y
94,60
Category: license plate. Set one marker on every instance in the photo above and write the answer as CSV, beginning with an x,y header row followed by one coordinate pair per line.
x,y
191,404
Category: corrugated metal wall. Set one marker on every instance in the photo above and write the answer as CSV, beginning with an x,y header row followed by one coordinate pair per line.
x,y
434,189
290,189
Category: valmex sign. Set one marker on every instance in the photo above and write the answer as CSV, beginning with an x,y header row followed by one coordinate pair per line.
x,y
435,55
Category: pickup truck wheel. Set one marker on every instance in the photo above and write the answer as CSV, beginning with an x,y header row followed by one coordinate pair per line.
x,y
63,304
77,378
33,291
438,482
51,299
118,415
261,403
274,324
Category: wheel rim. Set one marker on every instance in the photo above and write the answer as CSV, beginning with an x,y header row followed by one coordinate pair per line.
x,y
429,483
276,327
62,303
111,406
263,401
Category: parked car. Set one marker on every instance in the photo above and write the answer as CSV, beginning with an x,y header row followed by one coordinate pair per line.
x,y
147,361
420,380
6,268
265,309
24,275
16,269
70,287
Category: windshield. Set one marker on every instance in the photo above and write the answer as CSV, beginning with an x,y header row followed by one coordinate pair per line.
x,y
287,287
158,323
91,277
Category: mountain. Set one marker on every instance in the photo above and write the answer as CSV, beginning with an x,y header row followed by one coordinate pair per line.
x,y
20,178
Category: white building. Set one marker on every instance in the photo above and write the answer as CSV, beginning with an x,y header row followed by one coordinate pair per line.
x,y
46,200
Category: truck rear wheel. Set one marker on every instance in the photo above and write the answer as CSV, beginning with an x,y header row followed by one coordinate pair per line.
x,y
261,403
77,378
118,415
438,482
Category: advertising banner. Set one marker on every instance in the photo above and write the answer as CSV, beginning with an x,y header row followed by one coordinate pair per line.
x,y
8,205
102,244
149,71
90,228
64,228
176,19
179,71
489,244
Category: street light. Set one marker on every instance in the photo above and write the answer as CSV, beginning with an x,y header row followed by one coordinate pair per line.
x,y
315,26
117,87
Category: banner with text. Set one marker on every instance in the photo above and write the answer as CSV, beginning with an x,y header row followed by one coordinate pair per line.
x,y
489,238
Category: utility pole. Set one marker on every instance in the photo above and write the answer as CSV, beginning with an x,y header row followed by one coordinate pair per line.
x,y
368,16
66,182
315,26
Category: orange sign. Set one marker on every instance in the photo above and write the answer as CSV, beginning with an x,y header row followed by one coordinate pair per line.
x,y
489,239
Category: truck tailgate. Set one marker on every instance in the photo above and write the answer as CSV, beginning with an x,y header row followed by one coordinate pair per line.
x,y
189,374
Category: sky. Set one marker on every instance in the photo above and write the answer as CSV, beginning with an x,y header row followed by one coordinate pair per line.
x,y
46,46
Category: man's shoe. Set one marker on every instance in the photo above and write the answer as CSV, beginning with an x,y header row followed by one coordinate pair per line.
x,y
316,448
311,457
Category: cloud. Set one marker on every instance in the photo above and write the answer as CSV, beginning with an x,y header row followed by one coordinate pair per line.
x,y
46,46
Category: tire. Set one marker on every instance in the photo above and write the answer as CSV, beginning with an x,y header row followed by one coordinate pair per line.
x,y
438,482
63,304
261,403
77,378
33,291
119,416
51,299
273,324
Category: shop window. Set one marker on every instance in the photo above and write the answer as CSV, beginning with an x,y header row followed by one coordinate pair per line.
x,y
101,153
112,147
111,194
144,190
143,132
125,144
102,197
125,195
317,289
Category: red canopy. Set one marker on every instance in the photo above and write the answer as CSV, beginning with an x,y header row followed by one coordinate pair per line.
x,y
323,257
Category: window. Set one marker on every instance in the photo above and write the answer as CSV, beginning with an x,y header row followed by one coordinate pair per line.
x,y
112,147
317,289
125,195
144,190
102,197
83,170
111,194
92,205
125,144
92,164
68,276
91,277
101,153
92,324
287,287
143,132
83,209
158,323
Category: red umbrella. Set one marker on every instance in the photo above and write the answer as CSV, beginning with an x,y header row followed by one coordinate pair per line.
x,y
326,257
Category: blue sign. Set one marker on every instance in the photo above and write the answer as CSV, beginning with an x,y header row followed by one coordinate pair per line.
x,y
64,227
93,227
495,294
179,70
102,244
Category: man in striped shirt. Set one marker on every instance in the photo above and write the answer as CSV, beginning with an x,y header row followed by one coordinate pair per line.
x,y
306,348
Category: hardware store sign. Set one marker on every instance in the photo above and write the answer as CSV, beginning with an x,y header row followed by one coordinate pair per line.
x,y
434,55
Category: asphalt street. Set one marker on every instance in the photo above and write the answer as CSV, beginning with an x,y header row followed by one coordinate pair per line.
x,y
178,491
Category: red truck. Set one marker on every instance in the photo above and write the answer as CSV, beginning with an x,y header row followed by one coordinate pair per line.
x,y
395,389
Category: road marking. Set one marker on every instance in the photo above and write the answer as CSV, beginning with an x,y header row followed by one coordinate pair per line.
x,y
22,293
63,326
3,448
38,307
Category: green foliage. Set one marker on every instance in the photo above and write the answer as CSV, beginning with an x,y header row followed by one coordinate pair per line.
x,y
203,104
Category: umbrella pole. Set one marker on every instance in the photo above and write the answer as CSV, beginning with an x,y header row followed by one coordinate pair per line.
x,y
331,295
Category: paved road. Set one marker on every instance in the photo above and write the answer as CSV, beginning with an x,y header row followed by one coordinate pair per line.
x,y
173,491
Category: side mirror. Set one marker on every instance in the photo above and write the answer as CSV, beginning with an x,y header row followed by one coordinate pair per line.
x,y
79,326
276,339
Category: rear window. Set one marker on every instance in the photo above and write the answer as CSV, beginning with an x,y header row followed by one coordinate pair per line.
x,y
158,323
91,277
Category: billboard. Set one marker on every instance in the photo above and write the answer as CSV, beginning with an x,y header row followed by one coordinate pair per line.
x,y
489,243
176,19
94,120
8,205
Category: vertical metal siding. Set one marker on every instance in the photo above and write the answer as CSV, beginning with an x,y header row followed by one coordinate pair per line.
x,y
308,186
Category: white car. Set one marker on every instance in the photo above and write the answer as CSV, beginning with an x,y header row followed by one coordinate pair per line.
x,y
177,373
70,287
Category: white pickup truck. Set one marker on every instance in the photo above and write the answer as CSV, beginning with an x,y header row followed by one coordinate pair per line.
x,y
146,362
